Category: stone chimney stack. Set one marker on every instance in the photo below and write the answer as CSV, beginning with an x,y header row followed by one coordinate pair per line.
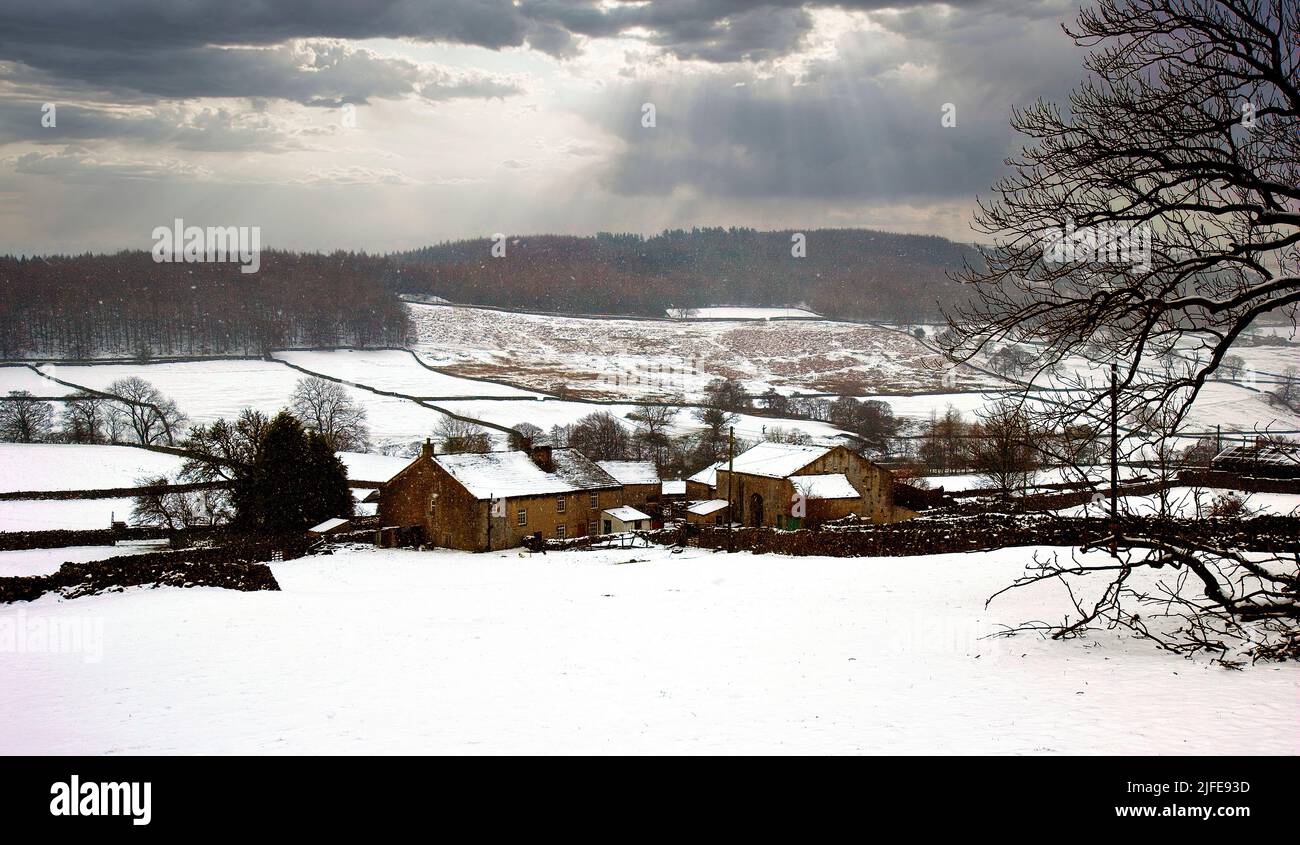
x,y
426,450
541,455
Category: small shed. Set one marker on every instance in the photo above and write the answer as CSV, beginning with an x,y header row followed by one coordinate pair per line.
x,y
336,525
623,519
707,512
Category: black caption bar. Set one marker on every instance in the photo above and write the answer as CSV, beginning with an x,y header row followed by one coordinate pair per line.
x,y
142,796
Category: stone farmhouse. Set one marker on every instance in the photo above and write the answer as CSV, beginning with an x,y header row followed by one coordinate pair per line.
x,y
496,500
831,481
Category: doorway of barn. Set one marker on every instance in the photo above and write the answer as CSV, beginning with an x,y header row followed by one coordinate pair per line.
x,y
756,510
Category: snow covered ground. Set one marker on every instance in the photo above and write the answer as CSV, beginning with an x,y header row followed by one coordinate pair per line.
x,y
62,514
634,651
25,378
206,390
47,561
393,371
1193,503
62,466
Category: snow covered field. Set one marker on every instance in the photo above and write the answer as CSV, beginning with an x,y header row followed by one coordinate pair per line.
x,y
394,371
59,466
46,561
635,651
1193,503
62,514
206,390
25,378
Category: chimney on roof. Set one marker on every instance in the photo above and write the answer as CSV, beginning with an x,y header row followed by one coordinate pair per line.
x,y
540,452
426,449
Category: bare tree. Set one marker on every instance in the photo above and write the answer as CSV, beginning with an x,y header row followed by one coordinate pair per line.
x,y
144,416
524,435
1288,388
85,418
942,438
1002,447
1183,142
325,407
25,419
600,436
454,436
654,423
157,505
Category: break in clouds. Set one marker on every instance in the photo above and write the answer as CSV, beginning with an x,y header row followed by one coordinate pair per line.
x,y
476,117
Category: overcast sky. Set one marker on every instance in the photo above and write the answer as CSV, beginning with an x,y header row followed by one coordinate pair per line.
x,y
482,116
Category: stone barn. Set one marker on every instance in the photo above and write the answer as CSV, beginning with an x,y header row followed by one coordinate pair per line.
x,y
832,480
640,480
702,485
496,500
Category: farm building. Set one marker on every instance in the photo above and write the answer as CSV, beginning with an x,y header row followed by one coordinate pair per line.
x,y
330,526
640,482
831,481
707,512
703,484
623,519
1262,459
495,500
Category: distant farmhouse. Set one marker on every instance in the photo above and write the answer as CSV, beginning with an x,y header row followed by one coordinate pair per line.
x,y
496,500
830,481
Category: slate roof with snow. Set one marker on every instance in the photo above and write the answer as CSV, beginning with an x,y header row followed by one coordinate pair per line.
x,y
673,488
631,472
328,525
1263,454
707,507
627,514
378,469
832,485
511,474
776,460
708,475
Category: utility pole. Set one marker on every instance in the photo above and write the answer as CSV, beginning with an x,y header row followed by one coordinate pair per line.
x,y
731,468
1114,443
491,500
1114,459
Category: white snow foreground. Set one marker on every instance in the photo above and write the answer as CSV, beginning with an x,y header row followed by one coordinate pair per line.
x,y
618,651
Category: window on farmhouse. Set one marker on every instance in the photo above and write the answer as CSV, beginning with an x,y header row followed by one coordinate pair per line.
x,y
560,503
433,506
559,532
591,528
594,501
523,516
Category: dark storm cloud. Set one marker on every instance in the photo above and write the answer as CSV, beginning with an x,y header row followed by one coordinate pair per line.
x,y
864,127
166,49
